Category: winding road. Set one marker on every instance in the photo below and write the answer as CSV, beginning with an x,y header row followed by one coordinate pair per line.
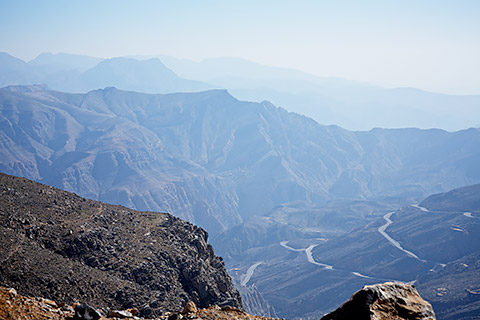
x,y
399,246
381,230
393,241
466,214
249,273
284,244
308,252
310,259
420,208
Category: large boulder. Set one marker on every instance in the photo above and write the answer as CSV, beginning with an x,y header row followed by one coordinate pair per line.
x,y
390,300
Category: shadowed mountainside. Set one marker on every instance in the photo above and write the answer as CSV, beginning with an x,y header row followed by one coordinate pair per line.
x,y
464,199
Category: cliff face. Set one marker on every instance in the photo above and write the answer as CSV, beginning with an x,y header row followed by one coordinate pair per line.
x,y
63,247
390,300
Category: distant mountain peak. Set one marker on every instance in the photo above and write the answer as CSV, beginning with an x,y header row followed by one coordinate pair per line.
x,y
150,76
8,61
27,88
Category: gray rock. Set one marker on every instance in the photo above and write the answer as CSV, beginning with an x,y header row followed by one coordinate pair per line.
x,y
120,314
390,300
86,312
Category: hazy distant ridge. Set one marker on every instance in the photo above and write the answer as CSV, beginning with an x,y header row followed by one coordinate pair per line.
x,y
76,73
350,104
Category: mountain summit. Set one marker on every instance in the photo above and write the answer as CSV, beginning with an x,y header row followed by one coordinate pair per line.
x,y
137,75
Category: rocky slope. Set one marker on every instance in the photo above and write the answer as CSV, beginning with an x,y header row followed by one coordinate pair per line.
x,y
57,245
384,301
453,290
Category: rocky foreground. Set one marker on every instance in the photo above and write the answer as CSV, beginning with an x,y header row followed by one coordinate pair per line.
x,y
14,306
376,302
57,245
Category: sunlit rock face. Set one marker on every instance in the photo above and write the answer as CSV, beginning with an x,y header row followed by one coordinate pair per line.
x,y
390,300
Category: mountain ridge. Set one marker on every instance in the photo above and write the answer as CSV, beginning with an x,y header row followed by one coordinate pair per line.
x,y
350,104
103,143
77,73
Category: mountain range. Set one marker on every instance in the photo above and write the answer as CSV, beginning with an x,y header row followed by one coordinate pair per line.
x,y
75,73
304,214
214,160
328,100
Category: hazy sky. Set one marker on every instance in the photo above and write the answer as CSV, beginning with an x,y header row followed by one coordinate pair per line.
x,y
428,44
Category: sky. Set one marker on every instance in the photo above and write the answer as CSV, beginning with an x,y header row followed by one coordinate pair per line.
x,y
428,44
